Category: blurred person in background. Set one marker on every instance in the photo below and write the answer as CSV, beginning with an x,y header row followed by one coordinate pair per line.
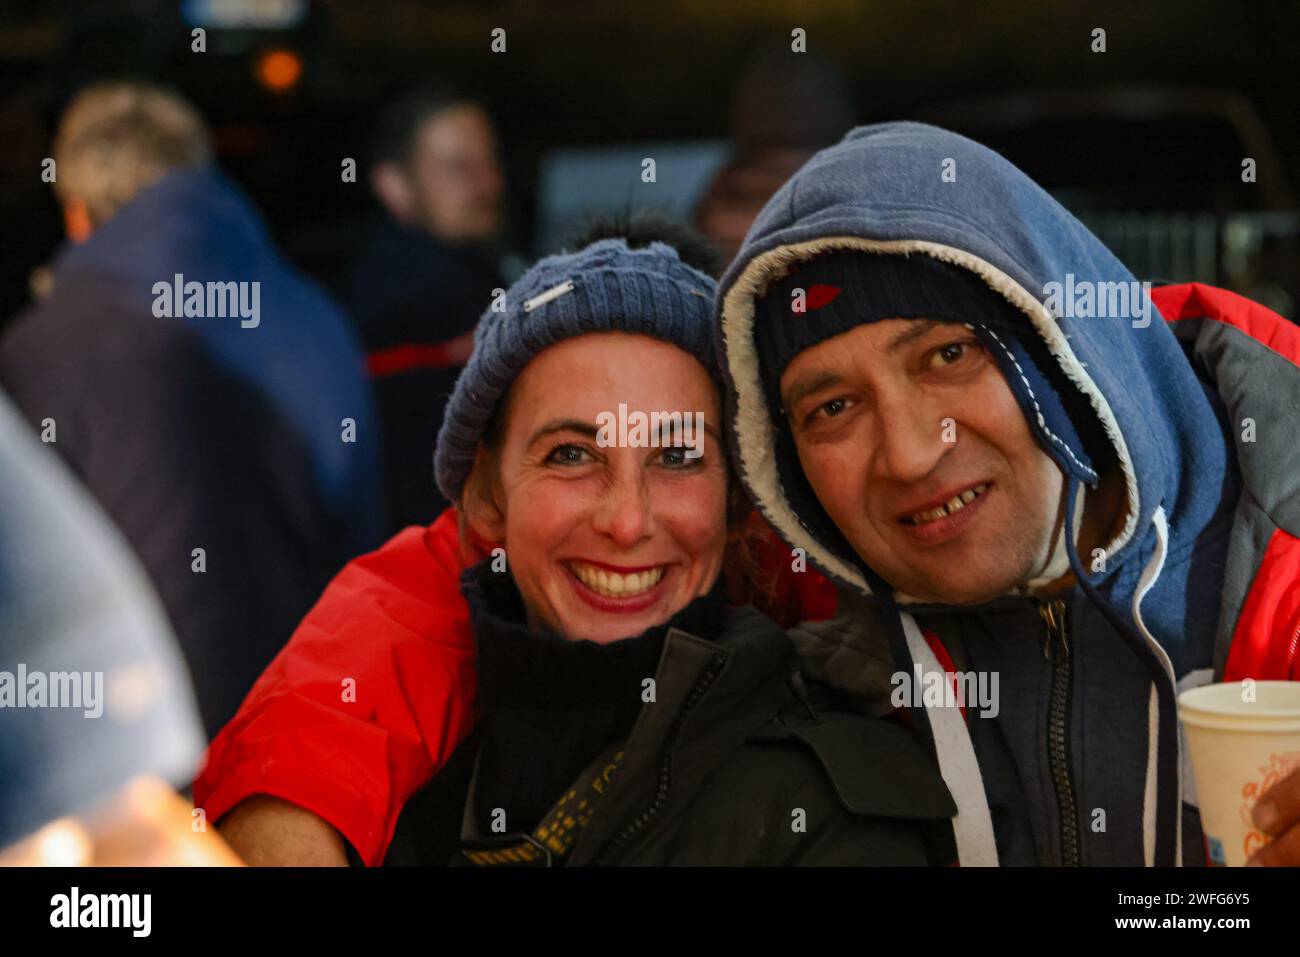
x,y
786,107
77,613
427,274
218,445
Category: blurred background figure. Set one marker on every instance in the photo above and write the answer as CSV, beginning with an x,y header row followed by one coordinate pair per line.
x,y
238,458
786,107
419,287
74,601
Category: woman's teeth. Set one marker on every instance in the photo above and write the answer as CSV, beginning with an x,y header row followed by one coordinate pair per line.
x,y
955,504
613,585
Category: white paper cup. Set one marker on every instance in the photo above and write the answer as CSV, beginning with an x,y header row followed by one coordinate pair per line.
x,y
1244,737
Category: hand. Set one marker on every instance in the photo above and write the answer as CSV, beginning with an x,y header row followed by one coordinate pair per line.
x,y
1277,814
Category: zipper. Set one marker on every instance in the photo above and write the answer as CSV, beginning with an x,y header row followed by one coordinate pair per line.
x,y
639,823
1057,651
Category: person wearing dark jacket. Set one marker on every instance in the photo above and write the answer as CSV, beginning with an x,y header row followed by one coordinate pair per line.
x,y
424,277
736,761
1026,468
628,714
209,397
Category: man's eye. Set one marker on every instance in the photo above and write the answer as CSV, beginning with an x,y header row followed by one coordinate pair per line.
x,y
951,354
826,410
568,455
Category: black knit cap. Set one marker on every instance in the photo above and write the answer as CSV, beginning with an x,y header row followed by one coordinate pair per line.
x,y
847,288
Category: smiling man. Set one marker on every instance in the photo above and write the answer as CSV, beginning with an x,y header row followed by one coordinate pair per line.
x,y
1100,509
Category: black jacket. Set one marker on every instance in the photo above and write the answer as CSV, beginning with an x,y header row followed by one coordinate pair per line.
x,y
736,760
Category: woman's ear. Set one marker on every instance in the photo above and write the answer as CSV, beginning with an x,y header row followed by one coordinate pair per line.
x,y
482,500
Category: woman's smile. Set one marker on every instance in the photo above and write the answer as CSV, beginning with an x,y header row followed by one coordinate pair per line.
x,y
616,590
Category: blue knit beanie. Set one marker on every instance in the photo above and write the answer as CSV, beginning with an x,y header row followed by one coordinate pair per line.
x,y
604,287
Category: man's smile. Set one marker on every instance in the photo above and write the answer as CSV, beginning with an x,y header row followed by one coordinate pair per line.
x,y
944,519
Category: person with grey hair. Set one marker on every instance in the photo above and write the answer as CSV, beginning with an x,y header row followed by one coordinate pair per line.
x,y
209,395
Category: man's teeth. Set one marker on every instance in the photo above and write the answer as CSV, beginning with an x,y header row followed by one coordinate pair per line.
x,y
612,584
955,504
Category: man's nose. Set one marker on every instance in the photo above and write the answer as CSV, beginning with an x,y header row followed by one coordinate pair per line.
x,y
625,513
913,440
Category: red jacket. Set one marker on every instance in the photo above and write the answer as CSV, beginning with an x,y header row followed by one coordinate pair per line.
x,y
376,687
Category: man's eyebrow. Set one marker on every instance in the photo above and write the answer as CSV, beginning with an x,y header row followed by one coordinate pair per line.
x,y
564,425
915,330
804,389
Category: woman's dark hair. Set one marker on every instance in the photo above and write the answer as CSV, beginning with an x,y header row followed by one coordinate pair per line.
x,y
646,226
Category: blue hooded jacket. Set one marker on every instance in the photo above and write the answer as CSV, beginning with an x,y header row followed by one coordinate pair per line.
x,y
1156,611
300,351
217,448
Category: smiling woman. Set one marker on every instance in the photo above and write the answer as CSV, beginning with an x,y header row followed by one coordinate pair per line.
x,y
626,712
629,534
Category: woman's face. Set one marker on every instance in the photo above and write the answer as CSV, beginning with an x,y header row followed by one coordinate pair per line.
x,y
606,538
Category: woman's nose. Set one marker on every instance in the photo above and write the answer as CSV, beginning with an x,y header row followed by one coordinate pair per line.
x,y
625,514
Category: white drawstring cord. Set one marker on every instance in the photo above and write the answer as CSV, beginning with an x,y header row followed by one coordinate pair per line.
x,y
1150,795
973,826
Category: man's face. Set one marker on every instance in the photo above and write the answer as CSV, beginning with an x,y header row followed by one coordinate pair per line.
x,y
455,177
916,448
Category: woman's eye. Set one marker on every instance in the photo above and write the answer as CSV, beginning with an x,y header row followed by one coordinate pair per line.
x,y
568,455
676,458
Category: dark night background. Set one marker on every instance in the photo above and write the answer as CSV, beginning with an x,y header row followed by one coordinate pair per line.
x,y
1150,131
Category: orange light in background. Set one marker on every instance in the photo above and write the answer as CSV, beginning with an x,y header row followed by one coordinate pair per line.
x,y
278,70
